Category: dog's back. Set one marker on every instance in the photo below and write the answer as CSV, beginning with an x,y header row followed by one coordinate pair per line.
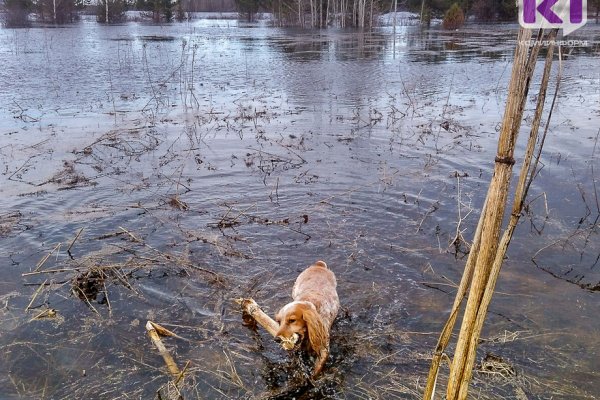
x,y
317,284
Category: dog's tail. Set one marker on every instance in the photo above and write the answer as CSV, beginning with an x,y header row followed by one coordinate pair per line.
x,y
321,264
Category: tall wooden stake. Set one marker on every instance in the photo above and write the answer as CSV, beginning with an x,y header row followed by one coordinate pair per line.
x,y
487,252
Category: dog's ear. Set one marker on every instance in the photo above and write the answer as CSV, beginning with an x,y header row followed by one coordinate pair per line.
x,y
318,334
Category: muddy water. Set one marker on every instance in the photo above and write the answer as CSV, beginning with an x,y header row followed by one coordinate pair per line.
x,y
213,160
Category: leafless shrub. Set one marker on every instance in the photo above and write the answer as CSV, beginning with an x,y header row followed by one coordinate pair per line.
x,y
15,13
57,11
454,18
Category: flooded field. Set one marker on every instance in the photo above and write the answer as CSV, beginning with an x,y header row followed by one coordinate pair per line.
x,y
160,172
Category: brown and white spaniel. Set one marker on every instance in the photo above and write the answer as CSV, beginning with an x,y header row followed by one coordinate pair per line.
x,y
307,320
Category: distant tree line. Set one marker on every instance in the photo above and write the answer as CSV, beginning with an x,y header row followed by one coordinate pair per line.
x,y
481,10
316,13
16,12
165,10
209,5
363,13
302,13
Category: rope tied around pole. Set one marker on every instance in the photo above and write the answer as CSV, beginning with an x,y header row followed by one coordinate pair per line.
x,y
505,160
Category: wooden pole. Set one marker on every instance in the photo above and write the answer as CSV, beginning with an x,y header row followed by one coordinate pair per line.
x,y
518,202
494,213
487,252
444,339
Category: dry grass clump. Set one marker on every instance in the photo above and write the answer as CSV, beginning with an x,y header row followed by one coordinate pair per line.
x,y
8,222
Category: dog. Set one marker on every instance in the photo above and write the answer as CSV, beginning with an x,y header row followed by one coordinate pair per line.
x,y
307,320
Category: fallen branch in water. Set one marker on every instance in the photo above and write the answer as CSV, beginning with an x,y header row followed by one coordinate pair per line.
x,y
115,263
169,391
35,294
154,331
252,309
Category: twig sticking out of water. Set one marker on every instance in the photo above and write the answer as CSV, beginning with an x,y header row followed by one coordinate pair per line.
x,y
35,294
43,260
587,227
434,207
22,114
73,242
46,313
83,295
276,190
169,257
458,240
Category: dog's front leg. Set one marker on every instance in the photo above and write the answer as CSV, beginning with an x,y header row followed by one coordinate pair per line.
x,y
320,362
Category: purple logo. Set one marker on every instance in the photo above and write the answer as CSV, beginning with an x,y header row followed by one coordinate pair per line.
x,y
566,14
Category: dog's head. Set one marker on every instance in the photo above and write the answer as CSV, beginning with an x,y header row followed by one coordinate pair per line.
x,y
301,318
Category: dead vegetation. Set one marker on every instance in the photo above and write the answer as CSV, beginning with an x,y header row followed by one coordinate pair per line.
x,y
106,269
581,239
9,222
116,263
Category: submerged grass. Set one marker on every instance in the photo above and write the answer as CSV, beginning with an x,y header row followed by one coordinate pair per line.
x,y
104,351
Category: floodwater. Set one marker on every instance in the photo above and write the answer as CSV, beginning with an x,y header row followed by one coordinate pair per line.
x,y
160,172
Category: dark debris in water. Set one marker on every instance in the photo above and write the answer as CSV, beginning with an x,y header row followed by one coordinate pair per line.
x,y
496,365
87,285
156,38
9,222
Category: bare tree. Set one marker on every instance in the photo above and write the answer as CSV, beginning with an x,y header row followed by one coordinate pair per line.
x,y
324,13
111,11
57,11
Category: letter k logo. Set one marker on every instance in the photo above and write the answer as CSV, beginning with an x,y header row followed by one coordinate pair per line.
x,y
569,15
544,8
